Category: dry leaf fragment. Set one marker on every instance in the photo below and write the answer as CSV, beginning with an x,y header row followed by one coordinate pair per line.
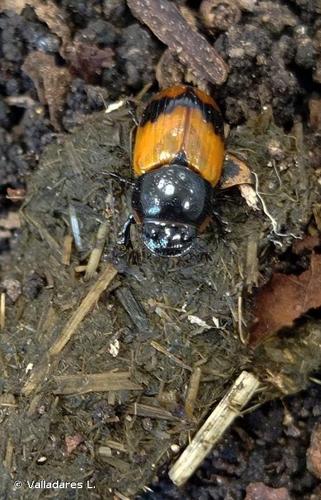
x,y
51,81
53,17
286,298
87,59
48,12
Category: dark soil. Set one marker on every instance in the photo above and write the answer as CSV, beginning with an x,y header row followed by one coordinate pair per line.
x,y
273,50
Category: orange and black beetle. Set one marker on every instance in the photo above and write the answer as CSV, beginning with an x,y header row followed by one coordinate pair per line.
x,y
178,159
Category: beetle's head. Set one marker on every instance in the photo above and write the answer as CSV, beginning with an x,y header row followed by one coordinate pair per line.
x,y
168,239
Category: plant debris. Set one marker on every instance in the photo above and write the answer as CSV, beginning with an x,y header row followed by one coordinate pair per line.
x,y
54,17
213,428
259,491
87,59
314,452
69,329
284,299
191,48
72,442
95,382
51,81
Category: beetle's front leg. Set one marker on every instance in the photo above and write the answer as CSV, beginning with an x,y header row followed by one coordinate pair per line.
x,y
120,178
124,235
221,223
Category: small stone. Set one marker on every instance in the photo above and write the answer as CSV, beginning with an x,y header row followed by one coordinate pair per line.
x,y
247,5
276,17
147,424
72,442
220,15
12,288
314,452
259,491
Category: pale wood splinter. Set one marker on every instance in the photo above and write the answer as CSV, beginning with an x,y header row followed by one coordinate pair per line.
x,y
214,427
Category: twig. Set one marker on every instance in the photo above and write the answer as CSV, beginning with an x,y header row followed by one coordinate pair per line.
x,y
45,235
214,427
95,382
75,229
134,310
7,462
67,249
193,50
2,310
252,265
94,258
46,364
171,356
244,338
143,410
192,392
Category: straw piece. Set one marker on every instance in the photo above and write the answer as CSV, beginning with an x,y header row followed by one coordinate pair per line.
x,y
192,392
66,256
95,382
171,356
2,310
94,258
214,427
49,359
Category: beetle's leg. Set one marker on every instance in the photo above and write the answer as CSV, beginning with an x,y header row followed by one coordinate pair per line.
x,y
132,106
124,235
214,215
235,172
222,224
120,178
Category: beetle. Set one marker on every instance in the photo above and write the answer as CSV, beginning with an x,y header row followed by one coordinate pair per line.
x,y
178,159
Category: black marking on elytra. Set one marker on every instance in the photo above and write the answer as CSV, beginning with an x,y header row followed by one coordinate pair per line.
x,y
230,170
187,99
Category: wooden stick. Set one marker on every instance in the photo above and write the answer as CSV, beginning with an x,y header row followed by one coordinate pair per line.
x,y
7,462
94,259
192,392
171,356
214,427
166,22
86,305
66,256
50,357
142,410
135,311
2,310
95,382
45,235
